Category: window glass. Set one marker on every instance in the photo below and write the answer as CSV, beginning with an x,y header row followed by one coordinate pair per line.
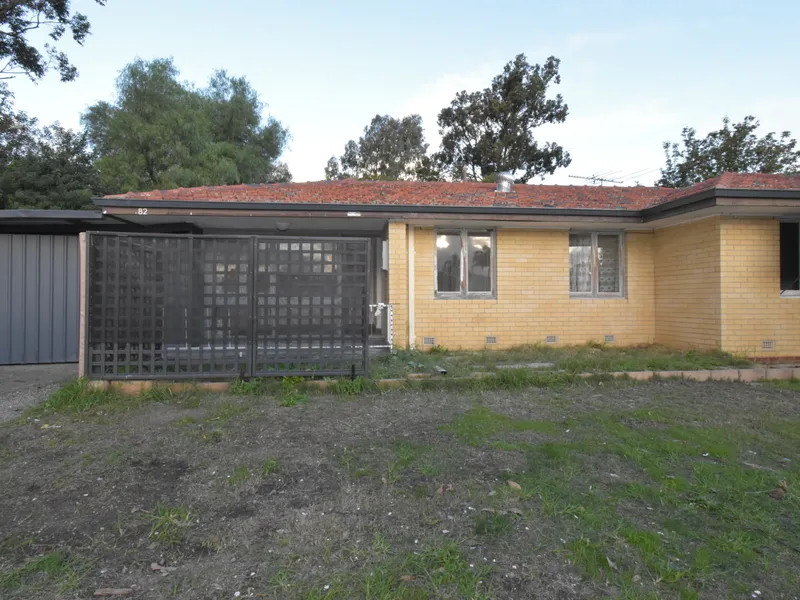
x,y
580,262
448,262
608,264
790,257
479,261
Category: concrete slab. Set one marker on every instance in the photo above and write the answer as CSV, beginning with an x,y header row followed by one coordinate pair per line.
x,y
669,374
697,375
531,365
754,374
782,373
725,375
640,375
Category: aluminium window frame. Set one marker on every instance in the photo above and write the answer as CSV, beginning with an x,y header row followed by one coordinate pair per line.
x,y
595,293
464,293
786,293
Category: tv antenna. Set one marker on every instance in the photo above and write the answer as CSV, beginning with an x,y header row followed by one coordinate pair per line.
x,y
596,179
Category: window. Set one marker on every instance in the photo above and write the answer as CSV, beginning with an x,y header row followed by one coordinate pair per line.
x,y
595,264
464,263
790,259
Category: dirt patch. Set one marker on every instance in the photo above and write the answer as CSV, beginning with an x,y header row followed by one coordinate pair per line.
x,y
361,486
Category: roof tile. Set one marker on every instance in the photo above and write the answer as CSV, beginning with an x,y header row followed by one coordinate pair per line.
x,y
413,193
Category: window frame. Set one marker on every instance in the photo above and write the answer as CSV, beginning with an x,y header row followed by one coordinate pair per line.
x,y
595,293
463,233
781,292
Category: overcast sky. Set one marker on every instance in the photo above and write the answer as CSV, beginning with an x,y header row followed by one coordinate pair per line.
x,y
633,73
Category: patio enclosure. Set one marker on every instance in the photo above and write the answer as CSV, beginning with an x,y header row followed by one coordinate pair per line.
x,y
183,306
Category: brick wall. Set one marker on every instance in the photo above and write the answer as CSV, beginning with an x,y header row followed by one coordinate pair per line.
x,y
687,285
713,283
533,298
752,307
398,283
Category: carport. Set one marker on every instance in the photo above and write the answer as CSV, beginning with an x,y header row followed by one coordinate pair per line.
x,y
40,284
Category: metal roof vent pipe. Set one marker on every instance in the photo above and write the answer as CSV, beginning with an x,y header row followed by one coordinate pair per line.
x,y
504,181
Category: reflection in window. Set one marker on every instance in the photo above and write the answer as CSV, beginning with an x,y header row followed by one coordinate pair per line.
x,y
479,260
448,263
464,262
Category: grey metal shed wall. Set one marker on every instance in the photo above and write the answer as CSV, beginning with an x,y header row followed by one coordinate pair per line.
x,y
39,298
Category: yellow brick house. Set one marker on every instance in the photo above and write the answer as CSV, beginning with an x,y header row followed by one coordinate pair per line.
x,y
477,265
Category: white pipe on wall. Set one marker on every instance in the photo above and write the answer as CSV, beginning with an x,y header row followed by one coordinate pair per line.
x,y
412,336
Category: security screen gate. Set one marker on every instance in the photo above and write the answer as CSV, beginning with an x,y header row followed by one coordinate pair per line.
x,y
181,306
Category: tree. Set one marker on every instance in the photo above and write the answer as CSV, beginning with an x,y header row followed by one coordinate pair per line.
x,y
19,18
58,173
389,149
17,130
163,133
734,148
491,131
42,168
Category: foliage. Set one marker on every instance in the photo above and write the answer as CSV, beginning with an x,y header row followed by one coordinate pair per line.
x,y
17,129
733,148
19,18
491,131
56,172
164,133
49,167
389,149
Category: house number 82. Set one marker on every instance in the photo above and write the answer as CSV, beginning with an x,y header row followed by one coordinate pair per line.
x,y
141,211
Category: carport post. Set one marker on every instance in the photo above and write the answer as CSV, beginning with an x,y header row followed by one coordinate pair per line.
x,y
82,317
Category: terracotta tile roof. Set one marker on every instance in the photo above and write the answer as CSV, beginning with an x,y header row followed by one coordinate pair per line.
x,y
411,193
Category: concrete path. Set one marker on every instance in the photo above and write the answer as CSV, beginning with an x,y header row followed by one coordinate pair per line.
x,y
25,385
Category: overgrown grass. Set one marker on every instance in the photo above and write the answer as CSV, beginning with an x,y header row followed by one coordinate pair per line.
x,y
591,358
80,397
351,387
786,384
55,570
480,423
291,391
650,503
434,572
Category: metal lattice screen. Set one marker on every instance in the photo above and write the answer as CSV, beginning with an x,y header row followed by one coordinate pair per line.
x,y
166,306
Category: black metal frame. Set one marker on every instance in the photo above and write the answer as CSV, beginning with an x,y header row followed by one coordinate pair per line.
x,y
162,306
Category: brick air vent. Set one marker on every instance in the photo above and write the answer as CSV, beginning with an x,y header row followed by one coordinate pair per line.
x,y
610,339
551,339
428,341
491,339
768,345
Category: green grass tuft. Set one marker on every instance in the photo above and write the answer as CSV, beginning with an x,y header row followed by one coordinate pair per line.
x,y
270,466
240,475
248,387
169,523
491,523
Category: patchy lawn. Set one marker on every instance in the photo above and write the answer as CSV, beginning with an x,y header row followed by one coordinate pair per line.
x,y
578,490
591,358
